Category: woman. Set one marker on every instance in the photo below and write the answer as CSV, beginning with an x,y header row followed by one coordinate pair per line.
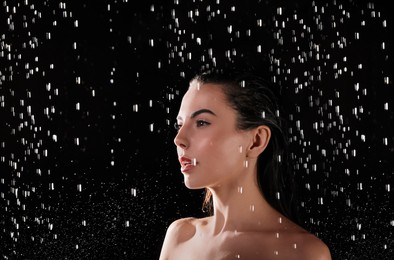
x,y
230,142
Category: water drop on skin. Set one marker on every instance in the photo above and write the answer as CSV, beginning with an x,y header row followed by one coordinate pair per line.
x,y
194,161
246,164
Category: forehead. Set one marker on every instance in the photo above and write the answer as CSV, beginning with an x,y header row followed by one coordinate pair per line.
x,y
203,94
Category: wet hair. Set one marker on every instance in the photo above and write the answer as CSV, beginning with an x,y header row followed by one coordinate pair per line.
x,y
256,102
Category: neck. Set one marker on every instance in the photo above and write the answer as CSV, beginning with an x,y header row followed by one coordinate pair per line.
x,y
240,207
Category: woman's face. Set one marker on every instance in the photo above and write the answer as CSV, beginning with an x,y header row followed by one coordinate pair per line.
x,y
210,148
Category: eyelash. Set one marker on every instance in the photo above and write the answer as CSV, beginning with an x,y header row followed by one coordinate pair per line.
x,y
199,123
177,126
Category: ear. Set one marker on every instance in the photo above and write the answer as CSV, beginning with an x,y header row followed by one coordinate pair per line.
x,y
260,139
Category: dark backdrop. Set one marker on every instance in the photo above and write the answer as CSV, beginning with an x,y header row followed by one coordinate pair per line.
x,y
88,95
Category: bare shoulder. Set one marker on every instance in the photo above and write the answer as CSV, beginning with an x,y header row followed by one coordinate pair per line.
x,y
178,231
297,243
311,247
182,229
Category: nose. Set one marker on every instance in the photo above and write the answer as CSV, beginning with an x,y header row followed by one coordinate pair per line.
x,y
180,139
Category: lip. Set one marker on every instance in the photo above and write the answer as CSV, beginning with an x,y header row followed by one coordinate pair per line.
x,y
187,164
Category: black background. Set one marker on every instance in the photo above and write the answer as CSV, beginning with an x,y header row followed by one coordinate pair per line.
x,y
88,95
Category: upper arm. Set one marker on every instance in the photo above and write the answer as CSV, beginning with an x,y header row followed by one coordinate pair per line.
x,y
318,250
169,239
324,253
179,231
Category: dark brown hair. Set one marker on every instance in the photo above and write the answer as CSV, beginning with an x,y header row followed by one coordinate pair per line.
x,y
256,102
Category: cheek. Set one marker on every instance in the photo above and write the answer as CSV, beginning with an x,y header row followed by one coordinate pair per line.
x,y
224,153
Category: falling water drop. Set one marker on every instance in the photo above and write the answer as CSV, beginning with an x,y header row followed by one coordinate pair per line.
x,y
246,163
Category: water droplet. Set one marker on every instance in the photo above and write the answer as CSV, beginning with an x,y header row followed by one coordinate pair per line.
x,y
246,163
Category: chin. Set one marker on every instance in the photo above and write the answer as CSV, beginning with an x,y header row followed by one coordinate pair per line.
x,y
192,185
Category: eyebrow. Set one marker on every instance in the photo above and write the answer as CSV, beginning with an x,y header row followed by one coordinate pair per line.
x,y
198,112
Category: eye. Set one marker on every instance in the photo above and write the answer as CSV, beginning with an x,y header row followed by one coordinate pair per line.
x,y
201,123
177,126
